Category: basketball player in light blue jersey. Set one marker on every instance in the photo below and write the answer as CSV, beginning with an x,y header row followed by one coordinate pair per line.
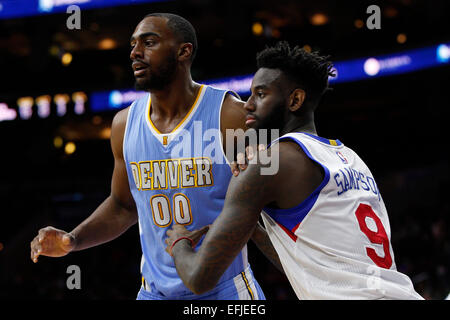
x,y
169,165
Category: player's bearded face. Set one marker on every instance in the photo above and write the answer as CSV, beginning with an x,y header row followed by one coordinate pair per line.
x,y
273,118
157,77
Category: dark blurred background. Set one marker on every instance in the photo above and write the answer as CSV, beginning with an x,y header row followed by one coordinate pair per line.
x,y
56,170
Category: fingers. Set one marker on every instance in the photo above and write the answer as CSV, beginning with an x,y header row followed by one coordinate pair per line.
x,y
36,249
242,163
51,242
244,159
179,228
66,240
175,232
36,244
203,230
178,231
249,152
234,169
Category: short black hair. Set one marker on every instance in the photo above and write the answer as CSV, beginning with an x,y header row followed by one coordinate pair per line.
x,y
182,28
308,70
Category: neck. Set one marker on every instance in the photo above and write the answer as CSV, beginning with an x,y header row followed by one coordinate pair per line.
x,y
305,123
176,98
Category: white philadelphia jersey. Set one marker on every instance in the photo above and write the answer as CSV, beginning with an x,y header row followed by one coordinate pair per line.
x,y
337,243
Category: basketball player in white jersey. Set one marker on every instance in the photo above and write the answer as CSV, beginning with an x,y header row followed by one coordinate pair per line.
x,y
322,209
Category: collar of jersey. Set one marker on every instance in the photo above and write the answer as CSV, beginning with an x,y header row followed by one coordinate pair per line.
x,y
170,135
330,142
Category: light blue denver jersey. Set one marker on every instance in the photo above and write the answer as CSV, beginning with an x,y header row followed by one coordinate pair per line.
x,y
180,177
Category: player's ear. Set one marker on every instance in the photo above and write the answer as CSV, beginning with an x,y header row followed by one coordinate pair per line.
x,y
296,99
185,51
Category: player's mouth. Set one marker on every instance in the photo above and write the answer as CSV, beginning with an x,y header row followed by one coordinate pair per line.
x,y
250,120
139,68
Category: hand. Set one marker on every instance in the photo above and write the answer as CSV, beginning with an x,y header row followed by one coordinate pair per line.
x,y
179,231
51,242
242,161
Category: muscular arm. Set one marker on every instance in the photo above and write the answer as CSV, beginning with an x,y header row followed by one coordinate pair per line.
x,y
118,212
247,194
233,116
113,217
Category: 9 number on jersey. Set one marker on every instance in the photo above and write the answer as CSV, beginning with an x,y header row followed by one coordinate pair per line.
x,y
379,237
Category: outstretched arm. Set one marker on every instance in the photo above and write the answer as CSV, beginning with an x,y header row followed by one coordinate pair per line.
x,y
113,217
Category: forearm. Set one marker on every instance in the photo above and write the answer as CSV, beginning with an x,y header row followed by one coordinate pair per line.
x,y
261,239
200,271
187,267
228,234
106,223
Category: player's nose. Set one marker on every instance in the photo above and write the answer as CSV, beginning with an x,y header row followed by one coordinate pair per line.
x,y
249,105
136,52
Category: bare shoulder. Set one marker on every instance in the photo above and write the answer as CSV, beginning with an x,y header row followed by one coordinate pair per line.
x,y
293,158
233,113
298,175
120,119
118,130
231,100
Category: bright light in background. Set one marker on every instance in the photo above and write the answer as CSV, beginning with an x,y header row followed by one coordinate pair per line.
x,y
61,101
307,48
401,38
336,74
25,107
443,53
115,98
66,59
318,19
70,148
257,29
79,98
6,113
371,66
58,142
107,44
43,103
105,133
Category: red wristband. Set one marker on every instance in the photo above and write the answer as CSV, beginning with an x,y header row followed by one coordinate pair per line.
x,y
181,238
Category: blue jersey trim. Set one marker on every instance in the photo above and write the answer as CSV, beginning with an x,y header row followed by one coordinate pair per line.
x,y
290,218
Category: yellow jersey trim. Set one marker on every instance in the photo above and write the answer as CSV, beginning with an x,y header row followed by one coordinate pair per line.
x,y
182,121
